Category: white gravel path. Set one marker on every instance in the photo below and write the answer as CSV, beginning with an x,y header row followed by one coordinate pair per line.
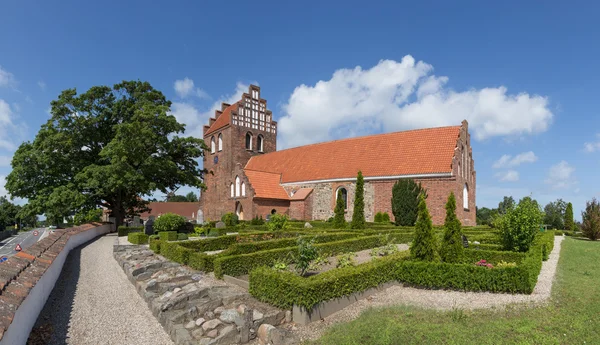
x,y
94,303
441,299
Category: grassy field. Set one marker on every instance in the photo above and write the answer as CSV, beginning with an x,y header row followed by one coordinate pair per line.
x,y
572,317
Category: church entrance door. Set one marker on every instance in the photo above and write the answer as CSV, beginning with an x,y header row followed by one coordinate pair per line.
x,y
239,211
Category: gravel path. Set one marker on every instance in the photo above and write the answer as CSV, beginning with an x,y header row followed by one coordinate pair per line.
x,y
441,299
94,303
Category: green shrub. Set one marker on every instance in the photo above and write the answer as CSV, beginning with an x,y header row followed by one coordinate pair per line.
x,y
385,217
137,238
169,222
257,221
200,261
451,249
174,252
182,237
230,219
305,254
278,222
590,226
405,201
519,225
424,245
339,220
155,244
168,235
558,233
378,217
345,260
125,230
569,222
358,216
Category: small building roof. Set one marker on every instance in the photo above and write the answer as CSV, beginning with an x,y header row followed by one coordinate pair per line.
x,y
266,185
301,194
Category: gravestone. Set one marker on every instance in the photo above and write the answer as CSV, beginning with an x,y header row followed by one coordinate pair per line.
x,y
149,226
465,241
200,217
220,225
136,221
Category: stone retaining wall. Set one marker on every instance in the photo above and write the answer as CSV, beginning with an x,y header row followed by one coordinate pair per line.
x,y
194,308
27,279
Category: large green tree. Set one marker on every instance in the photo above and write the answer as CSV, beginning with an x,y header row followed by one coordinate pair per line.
x,y
358,216
405,201
8,213
554,214
569,222
508,203
452,249
105,147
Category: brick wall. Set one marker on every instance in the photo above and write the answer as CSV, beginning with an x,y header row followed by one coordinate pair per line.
x,y
263,207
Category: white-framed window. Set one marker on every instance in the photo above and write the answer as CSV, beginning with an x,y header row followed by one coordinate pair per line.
x,y
232,191
237,186
259,143
344,195
466,197
243,188
220,142
212,144
248,141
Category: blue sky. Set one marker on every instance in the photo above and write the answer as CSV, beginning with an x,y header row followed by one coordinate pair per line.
x,y
523,74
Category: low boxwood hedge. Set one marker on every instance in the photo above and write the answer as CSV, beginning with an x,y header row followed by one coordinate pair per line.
x,y
137,238
125,230
168,235
285,289
174,252
155,244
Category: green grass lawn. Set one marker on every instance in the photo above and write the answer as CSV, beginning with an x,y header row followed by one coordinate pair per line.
x,y
572,317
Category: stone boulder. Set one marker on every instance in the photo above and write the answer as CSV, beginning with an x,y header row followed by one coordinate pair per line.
x,y
307,225
268,334
220,225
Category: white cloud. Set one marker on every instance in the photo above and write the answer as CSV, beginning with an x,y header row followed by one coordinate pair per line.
x,y
561,175
6,78
508,176
195,119
185,87
42,85
394,96
593,146
508,161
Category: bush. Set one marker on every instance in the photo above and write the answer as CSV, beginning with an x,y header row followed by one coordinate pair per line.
x,y
182,237
569,222
590,226
451,249
306,253
519,225
169,222
168,235
137,238
424,245
385,217
174,252
378,217
124,230
339,220
558,233
405,201
257,221
155,244
230,219
358,215
278,222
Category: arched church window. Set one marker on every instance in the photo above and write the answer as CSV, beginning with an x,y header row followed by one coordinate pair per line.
x,y
466,197
243,188
344,196
220,142
232,191
212,144
237,186
259,143
248,141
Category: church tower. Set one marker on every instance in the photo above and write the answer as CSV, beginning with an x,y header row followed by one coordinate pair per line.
x,y
236,133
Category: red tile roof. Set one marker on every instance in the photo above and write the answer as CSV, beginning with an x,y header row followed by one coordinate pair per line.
x,y
301,194
187,209
223,120
422,151
266,185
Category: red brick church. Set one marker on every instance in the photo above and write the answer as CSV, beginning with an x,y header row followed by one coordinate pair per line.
x,y
248,176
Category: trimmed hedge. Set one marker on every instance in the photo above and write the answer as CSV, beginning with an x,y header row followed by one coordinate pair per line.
x,y
174,252
492,256
285,289
168,235
137,238
182,237
155,244
125,230
486,246
237,265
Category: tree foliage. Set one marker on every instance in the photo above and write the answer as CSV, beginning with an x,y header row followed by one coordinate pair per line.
x,y
569,222
590,226
169,222
508,203
452,249
358,216
555,214
520,224
339,220
105,147
486,216
8,213
87,216
424,245
405,201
